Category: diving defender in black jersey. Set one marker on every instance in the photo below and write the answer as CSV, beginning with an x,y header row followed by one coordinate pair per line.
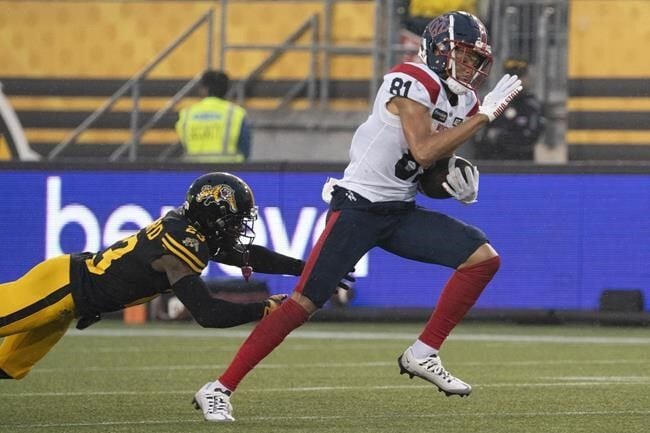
x,y
214,223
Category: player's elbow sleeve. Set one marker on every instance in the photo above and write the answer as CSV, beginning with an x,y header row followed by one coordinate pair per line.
x,y
271,262
223,314
211,312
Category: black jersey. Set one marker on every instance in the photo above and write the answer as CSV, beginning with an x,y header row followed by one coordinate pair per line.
x,y
121,275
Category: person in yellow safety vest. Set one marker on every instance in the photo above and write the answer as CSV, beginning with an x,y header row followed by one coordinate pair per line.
x,y
214,129
418,13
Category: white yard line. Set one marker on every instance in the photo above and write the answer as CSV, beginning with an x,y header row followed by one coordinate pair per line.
x,y
327,335
244,421
377,364
620,379
555,383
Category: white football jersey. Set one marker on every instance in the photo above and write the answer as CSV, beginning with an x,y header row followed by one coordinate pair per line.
x,y
379,144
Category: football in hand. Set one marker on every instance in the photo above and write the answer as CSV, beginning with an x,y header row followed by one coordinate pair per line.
x,y
430,181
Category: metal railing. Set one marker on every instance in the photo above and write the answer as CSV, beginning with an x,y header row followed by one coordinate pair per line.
x,y
533,29
320,47
537,31
310,25
134,85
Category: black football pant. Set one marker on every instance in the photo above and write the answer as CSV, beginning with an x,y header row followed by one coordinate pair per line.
x,y
355,226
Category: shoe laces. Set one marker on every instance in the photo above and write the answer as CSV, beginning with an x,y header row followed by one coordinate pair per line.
x,y
216,402
433,364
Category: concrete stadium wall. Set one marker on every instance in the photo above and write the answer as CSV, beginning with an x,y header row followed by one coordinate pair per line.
x,y
115,39
64,59
609,70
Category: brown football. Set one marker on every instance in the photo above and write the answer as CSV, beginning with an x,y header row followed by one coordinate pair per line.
x,y
430,181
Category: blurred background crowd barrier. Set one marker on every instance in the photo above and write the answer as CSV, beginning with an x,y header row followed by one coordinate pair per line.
x,y
105,79
562,246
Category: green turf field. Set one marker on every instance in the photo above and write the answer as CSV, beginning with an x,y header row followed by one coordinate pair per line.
x,y
339,378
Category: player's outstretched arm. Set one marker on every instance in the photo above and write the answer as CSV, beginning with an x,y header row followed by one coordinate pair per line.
x,y
263,260
267,261
210,312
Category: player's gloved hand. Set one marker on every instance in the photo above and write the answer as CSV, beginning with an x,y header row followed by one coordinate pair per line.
x,y
498,99
461,189
273,303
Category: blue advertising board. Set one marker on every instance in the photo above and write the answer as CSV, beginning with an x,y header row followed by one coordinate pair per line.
x,y
563,238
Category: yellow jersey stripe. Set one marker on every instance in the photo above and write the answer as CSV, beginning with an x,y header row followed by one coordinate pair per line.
x,y
183,254
184,249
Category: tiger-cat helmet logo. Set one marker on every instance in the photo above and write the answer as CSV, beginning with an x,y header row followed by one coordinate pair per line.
x,y
210,194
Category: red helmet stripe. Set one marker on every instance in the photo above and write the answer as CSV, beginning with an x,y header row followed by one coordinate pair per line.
x,y
433,88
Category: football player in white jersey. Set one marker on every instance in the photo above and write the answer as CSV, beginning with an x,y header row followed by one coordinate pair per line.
x,y
423,112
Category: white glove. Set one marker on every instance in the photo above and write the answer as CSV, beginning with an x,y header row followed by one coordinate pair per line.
x,y
498,99
462,190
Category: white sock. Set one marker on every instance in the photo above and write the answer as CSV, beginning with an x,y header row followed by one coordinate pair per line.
x,y
422,350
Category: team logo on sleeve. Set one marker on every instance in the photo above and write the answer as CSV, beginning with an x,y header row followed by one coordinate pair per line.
x,y
191,243
210,194
439,115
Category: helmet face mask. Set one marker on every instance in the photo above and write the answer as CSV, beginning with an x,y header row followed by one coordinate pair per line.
x,y
222,207
455,46
235,232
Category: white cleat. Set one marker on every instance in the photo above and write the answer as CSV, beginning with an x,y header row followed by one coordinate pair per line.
x,y
214,403
431,370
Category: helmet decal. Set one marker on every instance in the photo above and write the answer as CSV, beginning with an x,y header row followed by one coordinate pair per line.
x,y
438,27
222,207
192,243
211,194
455,46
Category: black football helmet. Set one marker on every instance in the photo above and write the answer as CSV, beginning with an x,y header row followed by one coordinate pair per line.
x,y
455,46
222,207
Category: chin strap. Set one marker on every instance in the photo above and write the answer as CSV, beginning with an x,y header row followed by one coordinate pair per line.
x,y
456,87
246,269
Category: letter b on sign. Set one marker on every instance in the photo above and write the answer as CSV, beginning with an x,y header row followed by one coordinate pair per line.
x,y
58,217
